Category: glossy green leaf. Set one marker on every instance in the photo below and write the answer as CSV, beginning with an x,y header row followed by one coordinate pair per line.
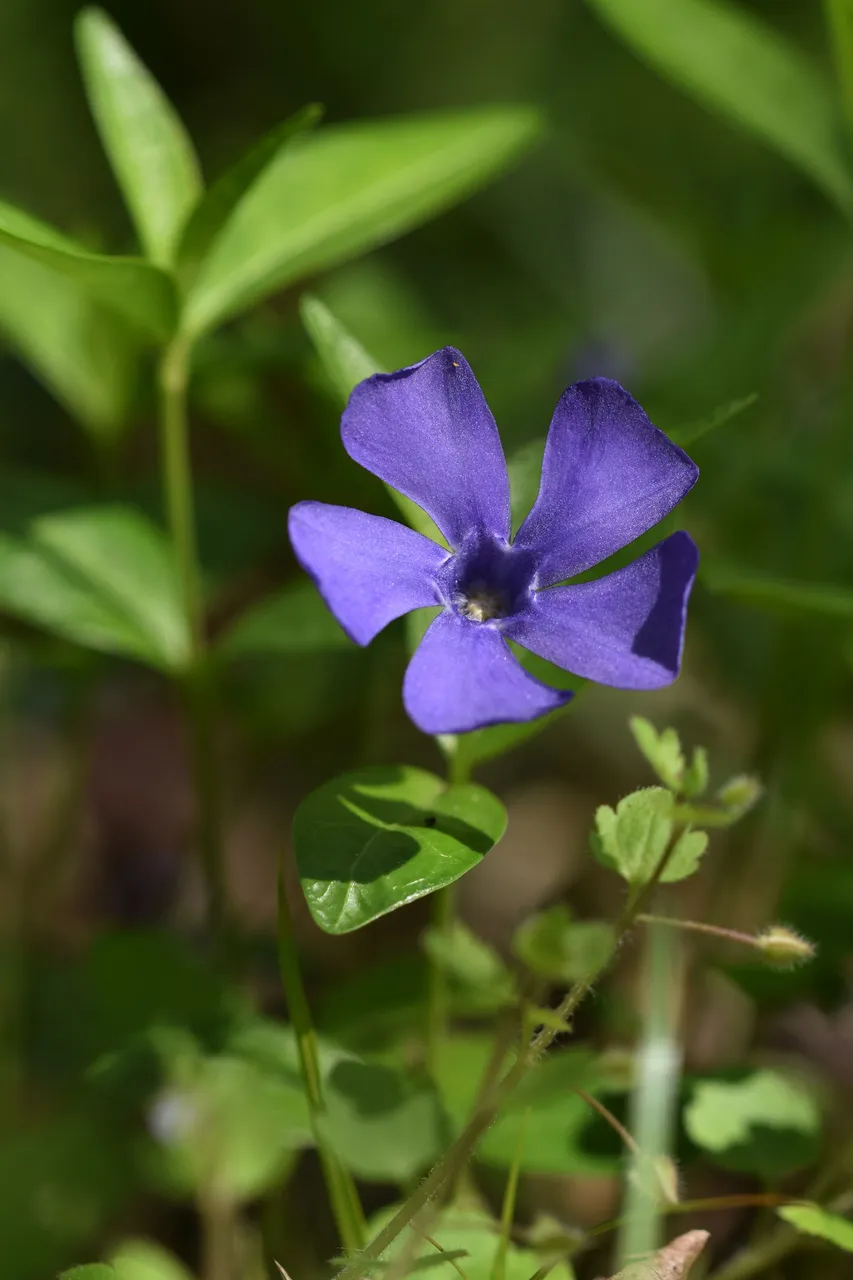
x,y
342,191
555,945
127,561
85,355
479,978
102,577
814,1221
371,841
346,363
745,71
766,1123
295,620
217,203
148,147
384,1126
777,593
134,289
662,750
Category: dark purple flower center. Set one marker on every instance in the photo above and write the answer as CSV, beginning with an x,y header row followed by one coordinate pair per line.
x,y
487,579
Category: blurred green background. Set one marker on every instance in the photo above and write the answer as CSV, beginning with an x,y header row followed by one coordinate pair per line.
x,y
642,238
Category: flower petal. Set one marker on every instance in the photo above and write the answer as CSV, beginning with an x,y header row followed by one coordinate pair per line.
x,y
428,432
464,676
608,475
626,629
369,570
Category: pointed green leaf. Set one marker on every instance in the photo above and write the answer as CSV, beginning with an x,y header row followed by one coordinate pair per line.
x,y
125,560
559,947
839,17
744,70
814,1221
525,472
148,147
369,842
777,593
295,620
347,188
685,436
131,287
217,203
696,774
346,363
85,355
685,856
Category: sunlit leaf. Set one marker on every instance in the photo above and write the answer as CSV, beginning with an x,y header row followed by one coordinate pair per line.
x,y
662,750
814,1221
85,355
145,1260
478,975
215,206
343,190
766,1123
744,70
133,288
150,151
369,842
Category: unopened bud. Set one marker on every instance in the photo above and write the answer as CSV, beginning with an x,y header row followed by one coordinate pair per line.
x,y
740,794
783,947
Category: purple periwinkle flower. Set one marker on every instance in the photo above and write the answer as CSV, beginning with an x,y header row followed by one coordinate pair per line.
x,y
608,475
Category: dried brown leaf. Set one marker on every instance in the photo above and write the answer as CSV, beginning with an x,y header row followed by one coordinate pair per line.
x,y
672,1263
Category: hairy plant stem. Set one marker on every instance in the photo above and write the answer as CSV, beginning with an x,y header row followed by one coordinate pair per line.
x,y
458,1154
697,926
198,686
442,907
343,1195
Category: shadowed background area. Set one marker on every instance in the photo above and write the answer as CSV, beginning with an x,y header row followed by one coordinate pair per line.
x,y
641,237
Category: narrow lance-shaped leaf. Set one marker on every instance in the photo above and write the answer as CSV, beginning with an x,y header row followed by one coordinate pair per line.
x,y
346,362
150,151
215,206
85,355
778,593
839,17
814,1221
331,196
134,289
742,69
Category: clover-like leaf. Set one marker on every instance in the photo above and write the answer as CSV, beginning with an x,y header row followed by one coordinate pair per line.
x,y
814,1221
559,947
632,838
371,841
662,750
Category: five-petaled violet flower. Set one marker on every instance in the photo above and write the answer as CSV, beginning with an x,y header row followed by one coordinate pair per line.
x,y
608,476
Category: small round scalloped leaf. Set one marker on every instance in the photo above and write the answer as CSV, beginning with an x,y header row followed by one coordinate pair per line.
x,y
814,1221
370,841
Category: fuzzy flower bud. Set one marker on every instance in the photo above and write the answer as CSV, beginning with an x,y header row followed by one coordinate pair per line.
x,y
784,947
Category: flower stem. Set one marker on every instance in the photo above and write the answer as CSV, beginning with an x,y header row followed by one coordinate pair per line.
x,y
343,1195
458,1154
438,995
697,926
180,507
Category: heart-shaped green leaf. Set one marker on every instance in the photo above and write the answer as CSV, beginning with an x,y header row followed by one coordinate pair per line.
x,y
347,188
135,289
369,842
148,147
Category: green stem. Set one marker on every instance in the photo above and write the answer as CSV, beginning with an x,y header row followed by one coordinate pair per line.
x,y
343,1196
510,1197
180,507
438,994
458,1154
